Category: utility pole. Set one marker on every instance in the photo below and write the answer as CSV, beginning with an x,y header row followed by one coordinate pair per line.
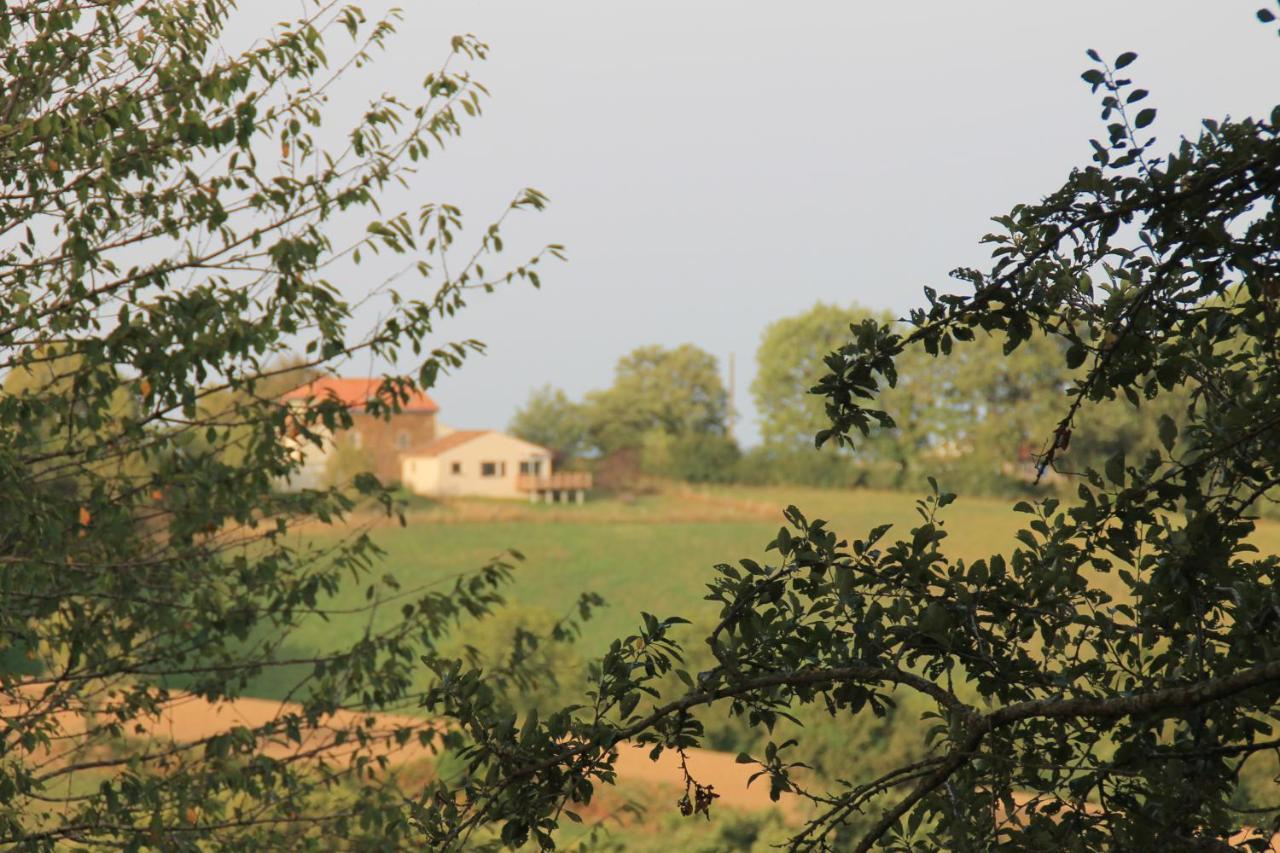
x,y
733,411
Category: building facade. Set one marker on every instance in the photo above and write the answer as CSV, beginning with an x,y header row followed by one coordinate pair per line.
x,y
413,449
380,442
480,463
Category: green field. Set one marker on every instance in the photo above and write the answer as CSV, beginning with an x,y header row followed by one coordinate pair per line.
x,y
653,554
642,556
657,553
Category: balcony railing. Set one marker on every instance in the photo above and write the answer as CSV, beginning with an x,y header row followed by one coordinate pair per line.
x,y
559,482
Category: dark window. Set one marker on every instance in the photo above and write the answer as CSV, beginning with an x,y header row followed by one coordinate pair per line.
x,y
456,468
532,466
488,469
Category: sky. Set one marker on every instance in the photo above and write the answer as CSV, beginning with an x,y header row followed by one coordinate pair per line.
x,y
713,166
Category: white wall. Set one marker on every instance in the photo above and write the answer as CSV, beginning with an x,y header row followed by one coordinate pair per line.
x,y
504,451
420,474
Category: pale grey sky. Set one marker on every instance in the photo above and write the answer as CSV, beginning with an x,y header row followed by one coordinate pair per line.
x,y
714,165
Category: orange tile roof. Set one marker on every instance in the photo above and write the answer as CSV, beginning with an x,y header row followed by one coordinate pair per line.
x,y
450,441
355,392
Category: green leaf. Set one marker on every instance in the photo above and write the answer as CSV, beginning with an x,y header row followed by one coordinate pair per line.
x,y
1125,58
1145,117
1266,16
1115,469
1168,432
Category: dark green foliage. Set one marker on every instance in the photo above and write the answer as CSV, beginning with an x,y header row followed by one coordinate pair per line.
x,y
975,419
1103,685
789,362
166,218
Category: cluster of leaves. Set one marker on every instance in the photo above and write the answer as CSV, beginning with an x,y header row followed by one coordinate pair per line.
x,y
1099,686
166,222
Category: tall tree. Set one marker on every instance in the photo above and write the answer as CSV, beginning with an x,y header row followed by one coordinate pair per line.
x,y
1099,685
971,417
674,391
168,221
551,419
789,361
991,409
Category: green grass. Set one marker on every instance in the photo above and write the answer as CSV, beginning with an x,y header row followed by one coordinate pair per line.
x,y
639,556
654,554
662,568
652,562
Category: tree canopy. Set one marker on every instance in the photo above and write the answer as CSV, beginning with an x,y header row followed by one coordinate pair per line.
x,y
674,391
973,418
667,405
551,419
789,361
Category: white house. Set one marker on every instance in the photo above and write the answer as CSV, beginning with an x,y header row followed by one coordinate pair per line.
x,y
487,463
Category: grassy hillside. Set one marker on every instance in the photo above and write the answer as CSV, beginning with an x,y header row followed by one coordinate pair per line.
x,y
655,554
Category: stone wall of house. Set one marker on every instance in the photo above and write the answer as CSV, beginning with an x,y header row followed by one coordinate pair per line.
x,y
385,441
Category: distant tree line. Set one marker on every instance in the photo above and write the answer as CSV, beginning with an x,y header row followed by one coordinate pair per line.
x,y
978,419
667,409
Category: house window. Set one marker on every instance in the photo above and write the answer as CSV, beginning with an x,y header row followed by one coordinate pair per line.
x,y
455,468
531,466
502,469
403,440
357,440
488,469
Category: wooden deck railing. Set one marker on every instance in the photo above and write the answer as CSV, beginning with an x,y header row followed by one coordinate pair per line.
x,y
562,481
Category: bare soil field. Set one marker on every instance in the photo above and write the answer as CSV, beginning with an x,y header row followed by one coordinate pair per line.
x,y
190,720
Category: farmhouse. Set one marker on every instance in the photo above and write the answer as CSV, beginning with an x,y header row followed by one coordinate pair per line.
x,y
428,458
381,441
488,463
